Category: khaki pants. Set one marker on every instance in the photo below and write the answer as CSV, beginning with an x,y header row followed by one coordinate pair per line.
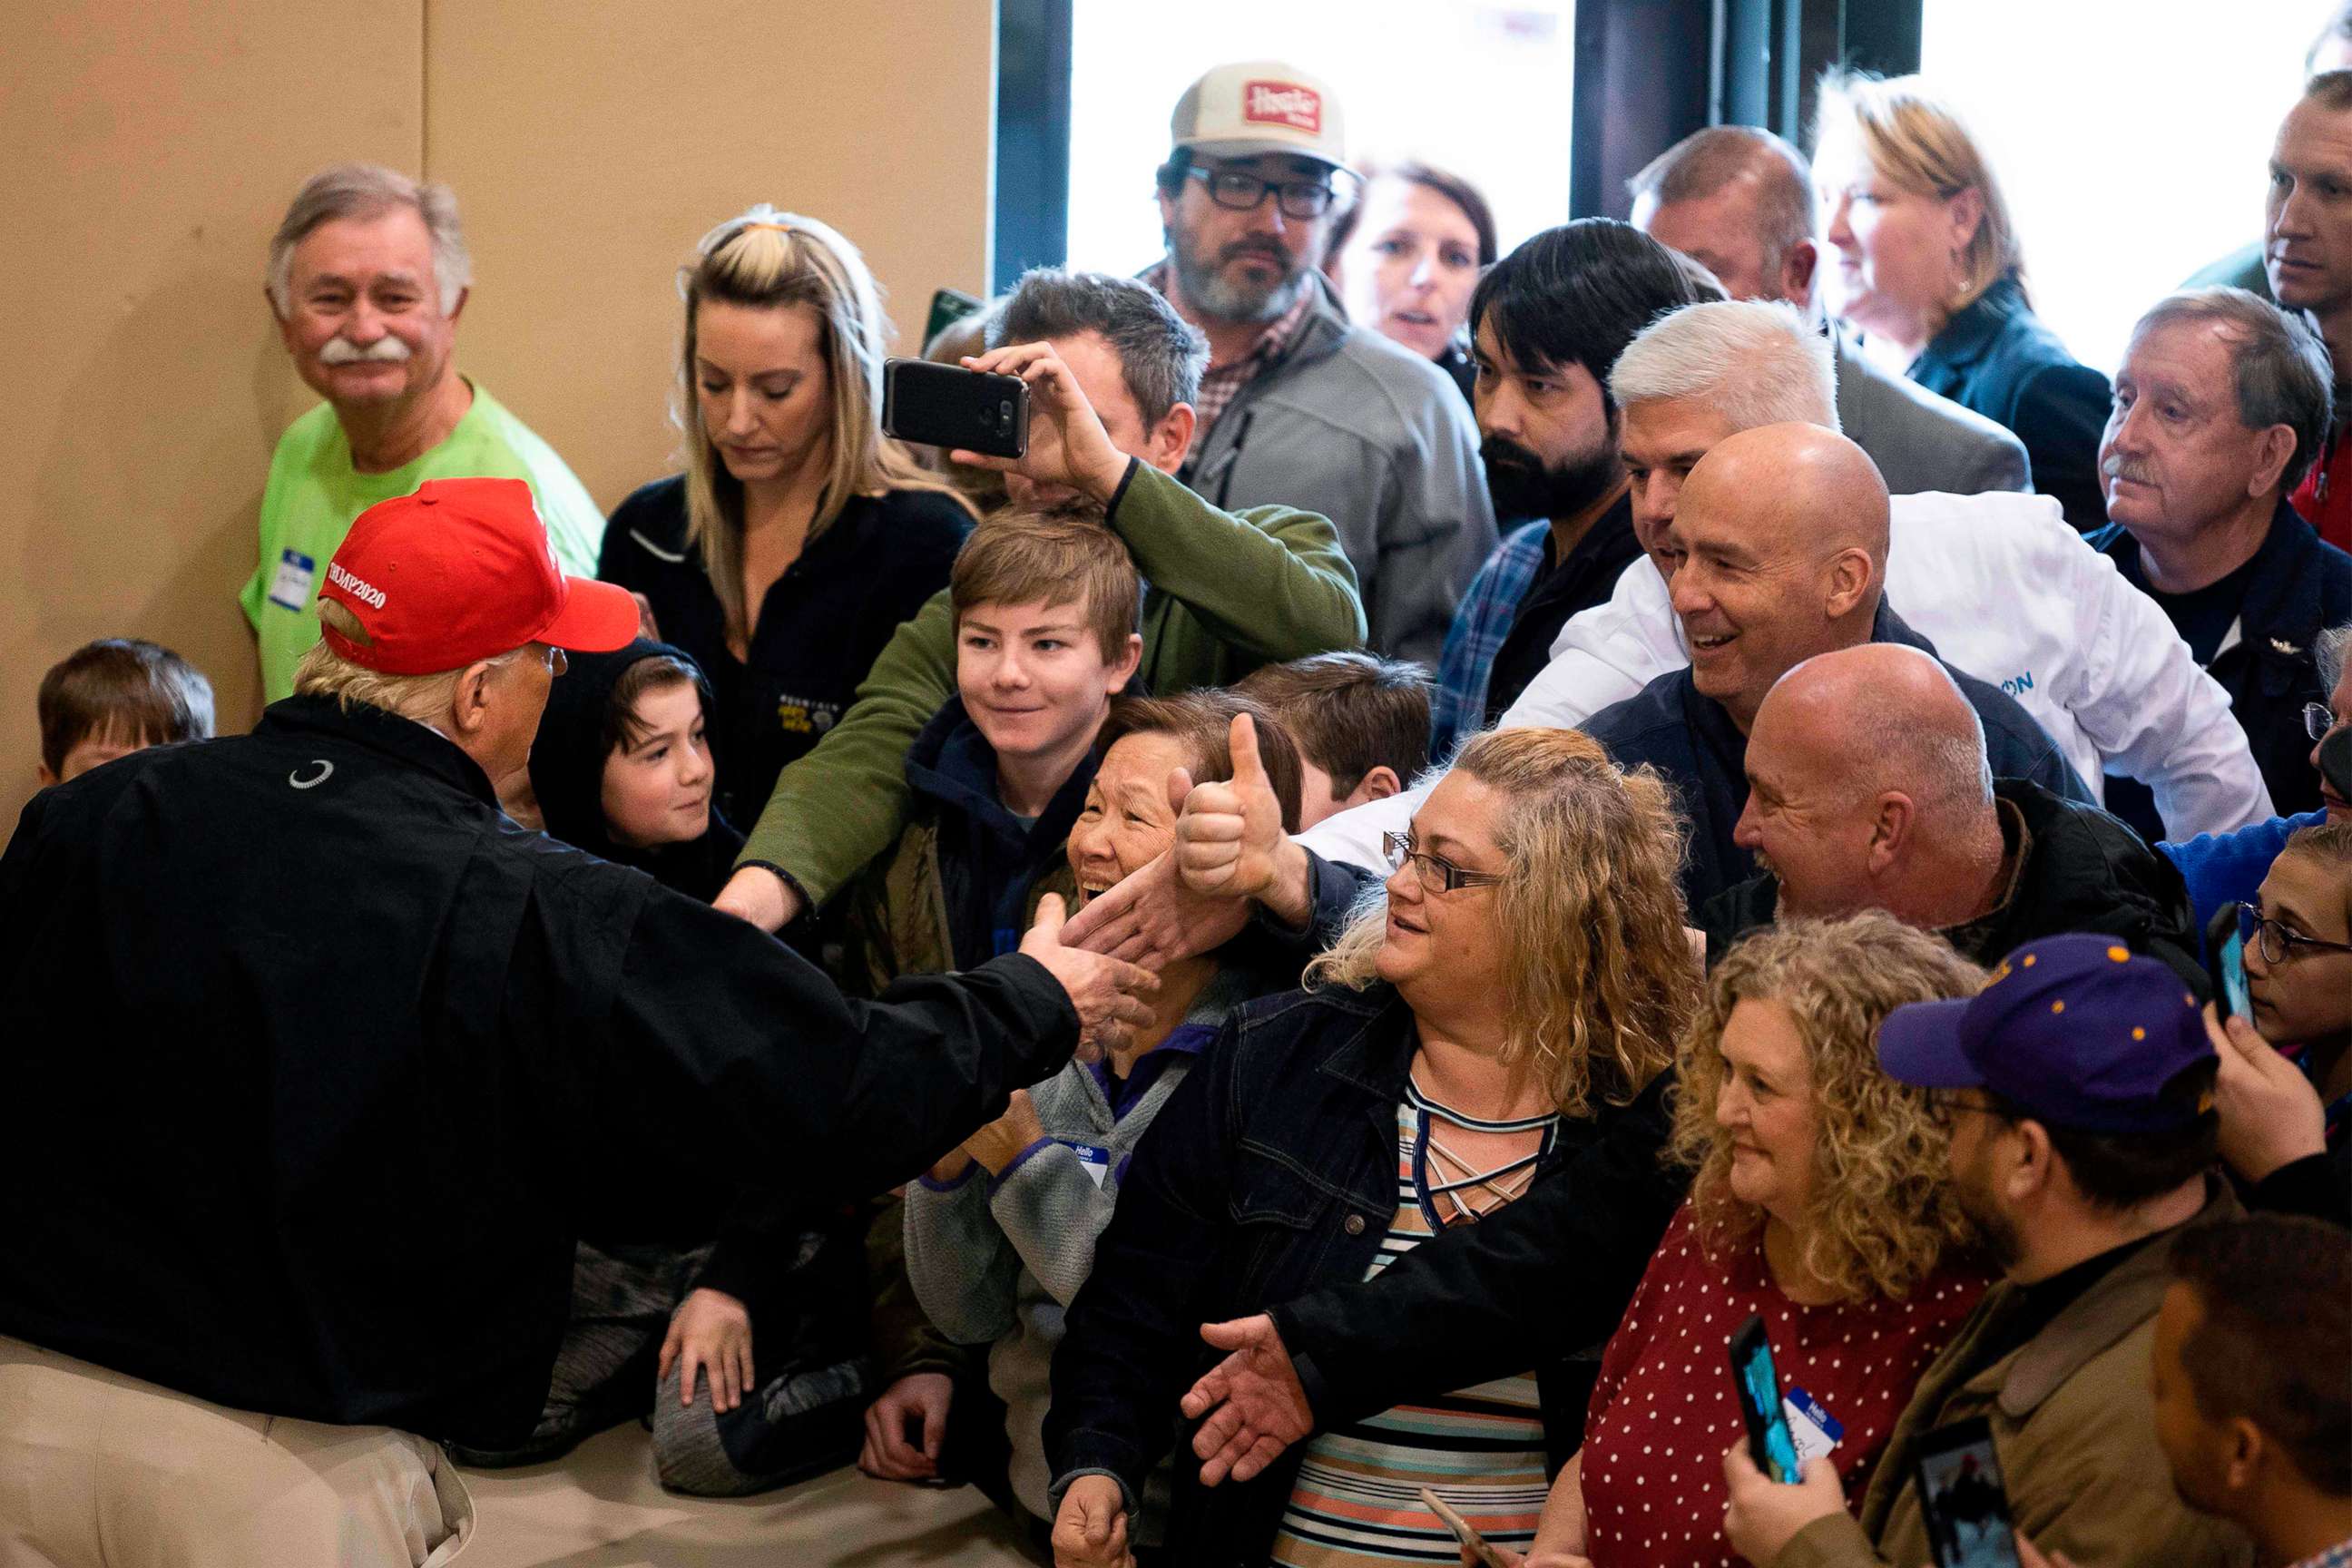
x,y
100,1471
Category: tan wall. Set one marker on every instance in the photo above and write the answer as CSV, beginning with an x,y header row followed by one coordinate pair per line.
x,y
148,147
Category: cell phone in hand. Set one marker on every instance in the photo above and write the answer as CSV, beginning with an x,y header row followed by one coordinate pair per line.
x,y
2225,964
1770,1442
949,406
1480,1547
1961,1498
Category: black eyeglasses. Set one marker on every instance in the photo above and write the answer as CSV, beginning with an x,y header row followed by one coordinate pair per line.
x,y
2317,721
2276,940
1438,874
1241,193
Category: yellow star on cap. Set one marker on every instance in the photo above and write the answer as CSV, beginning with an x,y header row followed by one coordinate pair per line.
x,y
2057,1007
2029,960
2119,954
2138,1034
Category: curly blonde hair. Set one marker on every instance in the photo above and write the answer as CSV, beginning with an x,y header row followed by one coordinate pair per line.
x,y
1883,1213
1598,975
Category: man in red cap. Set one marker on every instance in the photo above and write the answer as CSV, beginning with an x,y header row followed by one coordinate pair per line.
x,y
321,1060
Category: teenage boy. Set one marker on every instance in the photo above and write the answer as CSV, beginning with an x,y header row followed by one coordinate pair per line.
x,y
115,696
1361,723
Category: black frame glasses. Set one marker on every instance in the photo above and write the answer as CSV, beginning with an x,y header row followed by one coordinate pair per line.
x,y
1437,874
2277,941
2317,720
1237,190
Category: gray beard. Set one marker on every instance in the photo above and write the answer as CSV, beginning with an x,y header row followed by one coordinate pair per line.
x,y
1205,289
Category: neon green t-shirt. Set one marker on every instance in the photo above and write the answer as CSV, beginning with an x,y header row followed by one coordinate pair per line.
x,y
314,493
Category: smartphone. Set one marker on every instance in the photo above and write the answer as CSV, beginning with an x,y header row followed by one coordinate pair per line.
x,y
949,306
2336,762
949,406
1962,1499
1770,1442
1480,1547
2226,963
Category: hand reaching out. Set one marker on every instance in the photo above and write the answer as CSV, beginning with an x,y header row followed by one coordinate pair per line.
x,y
1250,1405
1109,993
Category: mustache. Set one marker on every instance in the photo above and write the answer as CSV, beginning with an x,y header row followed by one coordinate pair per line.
x,y
385,350
1265,247
1503,452
2116,467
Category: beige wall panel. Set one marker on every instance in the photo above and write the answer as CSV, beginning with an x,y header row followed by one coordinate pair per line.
x,y
591,142
147,151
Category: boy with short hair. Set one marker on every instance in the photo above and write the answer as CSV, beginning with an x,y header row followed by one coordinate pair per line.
x,y
115,696
1361,723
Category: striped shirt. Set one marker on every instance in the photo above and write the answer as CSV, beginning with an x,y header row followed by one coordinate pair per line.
x,y
1356,1499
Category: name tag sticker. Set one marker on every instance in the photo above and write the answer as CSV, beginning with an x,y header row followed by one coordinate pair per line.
x,y
1816,1431
1095,1162
296,574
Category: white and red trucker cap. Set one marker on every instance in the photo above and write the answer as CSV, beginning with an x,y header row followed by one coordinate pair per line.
x,y
1257,106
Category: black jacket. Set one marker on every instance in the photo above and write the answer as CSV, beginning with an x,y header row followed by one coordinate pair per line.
x,y
1995,356
1270,1173
2084,872
824,622
2298,587
1696,747
1561,591
323,1062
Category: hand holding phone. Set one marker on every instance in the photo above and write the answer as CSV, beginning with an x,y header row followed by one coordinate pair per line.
x,y
1067,447
947,405
1479,1546
1770,1442
2225,962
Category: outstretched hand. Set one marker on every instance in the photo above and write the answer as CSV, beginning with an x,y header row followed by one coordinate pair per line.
x,y
1067,443
1229,836
1109,993
1250,1405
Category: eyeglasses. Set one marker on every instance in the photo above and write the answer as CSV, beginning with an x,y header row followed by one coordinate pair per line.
x,y
2317,720
2277,941
1438,874
1242,192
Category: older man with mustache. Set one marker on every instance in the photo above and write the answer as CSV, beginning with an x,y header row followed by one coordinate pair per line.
x,y
368,273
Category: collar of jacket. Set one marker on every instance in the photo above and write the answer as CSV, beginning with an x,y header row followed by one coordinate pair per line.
x,y
2281,610
1377,1059
401,740
951,766
1975,327
2124,1298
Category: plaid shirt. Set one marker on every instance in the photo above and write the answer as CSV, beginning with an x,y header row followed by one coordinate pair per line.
x,y
1457,706
1220,385
2335,1556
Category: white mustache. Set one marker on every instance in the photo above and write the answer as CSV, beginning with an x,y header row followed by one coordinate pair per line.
x,y
386,350
2115,468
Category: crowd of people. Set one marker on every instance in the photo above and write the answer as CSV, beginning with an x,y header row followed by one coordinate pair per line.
x,y
1280,976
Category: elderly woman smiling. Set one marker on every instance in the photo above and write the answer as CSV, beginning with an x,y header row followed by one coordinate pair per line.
x,y
1819,1202
1520,978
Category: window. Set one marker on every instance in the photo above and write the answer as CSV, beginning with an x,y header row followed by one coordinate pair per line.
x,y
1482,91
2131,138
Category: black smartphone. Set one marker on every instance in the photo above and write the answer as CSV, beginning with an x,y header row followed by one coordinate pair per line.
x,y
2336,760
949,306
2225,962
1770,1442
1961,1498
949,406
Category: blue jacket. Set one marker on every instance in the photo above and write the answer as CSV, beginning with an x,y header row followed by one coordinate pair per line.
x,y
1996,357
2228,868
2299,586
1696,747
1269,1175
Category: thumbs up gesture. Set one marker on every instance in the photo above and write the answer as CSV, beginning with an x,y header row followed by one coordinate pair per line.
x,y
1229,837
1111,995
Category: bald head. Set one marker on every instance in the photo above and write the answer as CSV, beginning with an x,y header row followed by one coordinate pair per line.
x,y
1867,778
1784,536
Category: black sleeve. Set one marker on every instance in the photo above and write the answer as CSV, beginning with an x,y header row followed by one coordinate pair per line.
x,y
1132,1336
2318,1186
756,1246
1337,886
732,1056
1544,1278
2061,416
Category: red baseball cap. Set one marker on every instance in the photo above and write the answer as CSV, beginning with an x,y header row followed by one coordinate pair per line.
x,y
461,571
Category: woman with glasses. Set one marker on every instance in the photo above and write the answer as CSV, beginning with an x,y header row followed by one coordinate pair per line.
x,y
1520,977
2285,1086
1405,256
798,537
1819,1201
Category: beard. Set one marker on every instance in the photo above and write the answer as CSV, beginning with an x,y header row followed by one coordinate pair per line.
x,y
1201,280
1522,487
1992,1227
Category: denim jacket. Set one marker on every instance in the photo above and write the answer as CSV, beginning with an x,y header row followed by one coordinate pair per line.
x,y
1270,1173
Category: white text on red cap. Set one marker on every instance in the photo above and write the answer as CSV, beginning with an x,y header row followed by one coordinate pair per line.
x,y
1282,103
358,589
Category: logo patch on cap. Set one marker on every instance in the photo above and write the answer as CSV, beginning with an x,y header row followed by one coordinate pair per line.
x,y
1282,103
367,593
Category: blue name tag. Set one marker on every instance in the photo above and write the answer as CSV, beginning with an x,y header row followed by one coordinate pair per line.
x,y
1097,1161
290,589
1816,1431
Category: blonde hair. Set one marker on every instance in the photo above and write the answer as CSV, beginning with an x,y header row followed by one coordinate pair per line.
x,y
771,260
1919,141
323,672
1883,1212
1598,976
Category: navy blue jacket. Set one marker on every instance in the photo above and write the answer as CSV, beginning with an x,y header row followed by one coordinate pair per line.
x,y
1693,744
1270,1175
1995,356
2300,586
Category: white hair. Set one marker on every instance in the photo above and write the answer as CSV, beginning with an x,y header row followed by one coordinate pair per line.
x,y
1755,362
365,191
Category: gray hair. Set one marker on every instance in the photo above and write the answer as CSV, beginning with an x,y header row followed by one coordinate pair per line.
x,y
366,191
2280,366
1754,362
1161,354
1704,161
2332,648
323,672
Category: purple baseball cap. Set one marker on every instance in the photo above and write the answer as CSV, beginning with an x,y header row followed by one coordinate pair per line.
x,y
2077,1031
